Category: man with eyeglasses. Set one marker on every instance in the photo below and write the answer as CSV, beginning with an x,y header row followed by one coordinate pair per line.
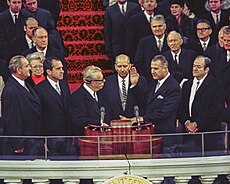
x,y
123,91
203,40
86,102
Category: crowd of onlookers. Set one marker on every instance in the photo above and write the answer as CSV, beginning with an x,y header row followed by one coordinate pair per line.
x,y
170,57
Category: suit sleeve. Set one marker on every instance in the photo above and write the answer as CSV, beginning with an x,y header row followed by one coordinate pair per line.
x,y
13,125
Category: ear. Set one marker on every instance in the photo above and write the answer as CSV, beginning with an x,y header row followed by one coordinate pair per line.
x,y
207,69
8,2
155,5
48,71
18,70
24,28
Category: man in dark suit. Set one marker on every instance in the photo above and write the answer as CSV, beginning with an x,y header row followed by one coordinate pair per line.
x,y
221,60
45,20
200,111
203,39
115,26
11,30
139,26
40,39
26,42
217,17
121,90
21,111
86,102
150,46
162,102
54,96
180,60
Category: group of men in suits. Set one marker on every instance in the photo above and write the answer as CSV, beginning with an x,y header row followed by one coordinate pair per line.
x,y
39,111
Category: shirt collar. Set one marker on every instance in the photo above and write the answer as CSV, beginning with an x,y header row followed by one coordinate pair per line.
x,y
21,82
202,42
125,6
91,92
164,79
53,83
162,39
44,51
178,54
28,40
148,16
195,80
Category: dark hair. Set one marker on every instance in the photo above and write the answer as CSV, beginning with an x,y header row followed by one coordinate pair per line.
x,y
188,4
48,63
207,62
204,21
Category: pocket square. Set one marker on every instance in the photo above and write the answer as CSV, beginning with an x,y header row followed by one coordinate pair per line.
x,y
160,97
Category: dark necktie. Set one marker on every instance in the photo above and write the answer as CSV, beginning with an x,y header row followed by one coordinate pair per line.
x,y
204,46
123,10
217,19
150,19
15,18
197,85
124,94
31,44
175,59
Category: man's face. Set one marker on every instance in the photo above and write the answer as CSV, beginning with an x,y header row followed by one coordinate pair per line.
x,y
41,39
149,5
122,67
98,83
215,5
158,28
203,31
24,71
176,9
57,72
226,39
198,68
158,71
174,42
15,5
36,67
29,27
31,5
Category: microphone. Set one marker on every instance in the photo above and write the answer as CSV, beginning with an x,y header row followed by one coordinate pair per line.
x,y
102,115
136,114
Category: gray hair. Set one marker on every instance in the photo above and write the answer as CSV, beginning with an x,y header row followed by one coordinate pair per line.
x,y
35,56
158,18
89,73
15,62
162,59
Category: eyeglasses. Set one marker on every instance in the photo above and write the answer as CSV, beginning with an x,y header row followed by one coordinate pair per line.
x,y
203,29
101,80
37,66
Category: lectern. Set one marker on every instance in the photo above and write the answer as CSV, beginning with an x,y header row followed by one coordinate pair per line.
x,y
119,140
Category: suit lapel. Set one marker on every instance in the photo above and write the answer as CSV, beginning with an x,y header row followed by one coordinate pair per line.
x,y
91,99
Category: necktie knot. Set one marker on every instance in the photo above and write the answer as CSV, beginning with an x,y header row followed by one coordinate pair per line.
x,y
204,46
